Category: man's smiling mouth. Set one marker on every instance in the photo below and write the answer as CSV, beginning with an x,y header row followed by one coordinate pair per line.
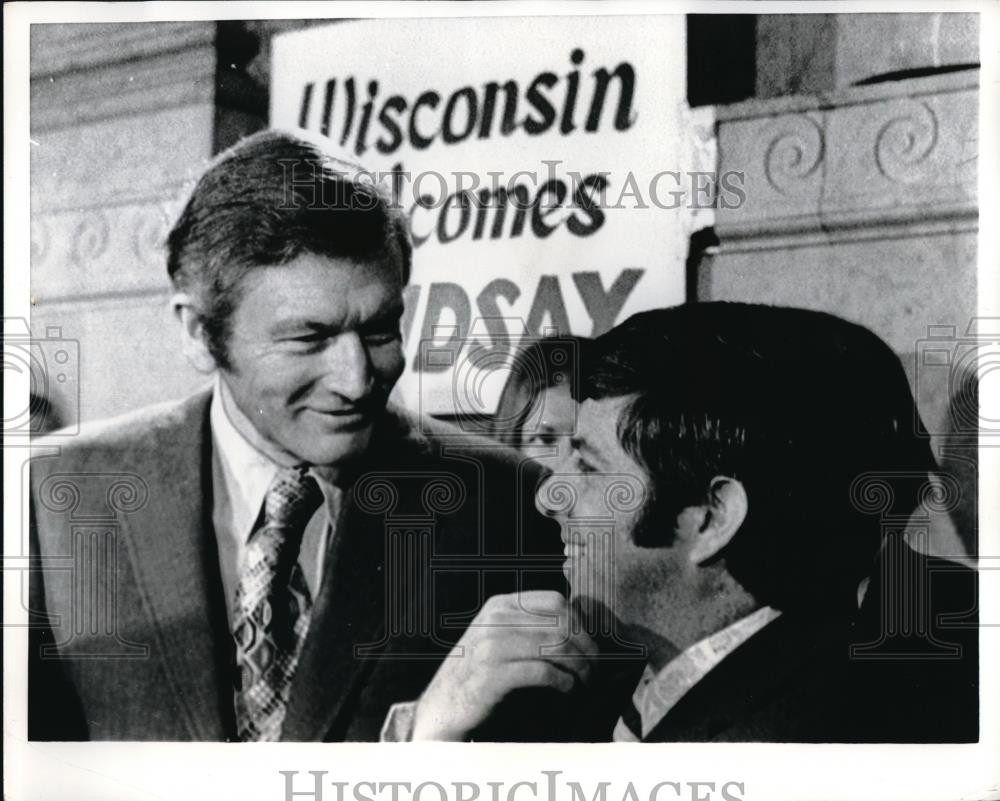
x,y
351,418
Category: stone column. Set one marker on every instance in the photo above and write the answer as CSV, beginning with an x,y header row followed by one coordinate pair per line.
x,y
810,53
123,117
861,199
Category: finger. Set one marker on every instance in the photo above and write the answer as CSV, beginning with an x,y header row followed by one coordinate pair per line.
x,y
514,644
584,643
535,608
538,673
496,620
520,618
580,667
564,643
537,602
496,655
512,636
541,602
566,655
545,600
560,634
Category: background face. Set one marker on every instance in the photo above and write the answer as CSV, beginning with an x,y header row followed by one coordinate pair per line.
x,y
550,425
315,350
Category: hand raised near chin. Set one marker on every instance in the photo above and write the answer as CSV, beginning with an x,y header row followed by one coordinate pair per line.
x,y
521,640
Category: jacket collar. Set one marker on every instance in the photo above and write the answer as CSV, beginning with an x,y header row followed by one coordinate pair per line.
x,y
787,656
348,629
173,551
172,546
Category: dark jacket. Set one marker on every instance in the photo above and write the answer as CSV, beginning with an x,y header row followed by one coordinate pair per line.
x,y
905,669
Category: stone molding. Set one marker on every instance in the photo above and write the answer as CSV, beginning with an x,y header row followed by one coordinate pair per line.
x,y
853,164
123,89
73,47
81,254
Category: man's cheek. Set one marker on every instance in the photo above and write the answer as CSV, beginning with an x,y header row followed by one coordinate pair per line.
x,y
280,384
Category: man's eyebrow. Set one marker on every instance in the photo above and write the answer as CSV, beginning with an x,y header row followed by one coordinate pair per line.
x,y
297,324
388,315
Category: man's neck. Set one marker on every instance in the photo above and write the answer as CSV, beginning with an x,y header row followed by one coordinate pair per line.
x,y
674,632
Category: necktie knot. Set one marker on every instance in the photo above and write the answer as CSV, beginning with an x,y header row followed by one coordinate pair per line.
x,y
291,499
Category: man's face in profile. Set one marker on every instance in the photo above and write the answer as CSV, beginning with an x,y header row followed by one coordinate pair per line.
x,y
315,349
597,493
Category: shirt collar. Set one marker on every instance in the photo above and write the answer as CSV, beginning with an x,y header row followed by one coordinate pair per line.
x,y
658,693
247,471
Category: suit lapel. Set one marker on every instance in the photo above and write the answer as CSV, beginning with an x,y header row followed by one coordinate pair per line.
x,y
347,615
175,558
347,633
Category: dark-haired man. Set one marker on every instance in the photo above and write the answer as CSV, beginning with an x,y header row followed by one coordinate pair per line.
x,y
264,551
733,508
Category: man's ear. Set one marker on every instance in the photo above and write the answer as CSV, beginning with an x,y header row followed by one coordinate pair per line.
x,y
193,342
724,513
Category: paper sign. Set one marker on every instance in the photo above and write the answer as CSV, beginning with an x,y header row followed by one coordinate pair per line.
x,y
544,165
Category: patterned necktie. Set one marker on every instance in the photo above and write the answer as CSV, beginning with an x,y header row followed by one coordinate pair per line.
x,y
273,606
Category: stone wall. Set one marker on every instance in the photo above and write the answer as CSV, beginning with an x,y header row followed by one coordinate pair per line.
x,y
124,117
862,201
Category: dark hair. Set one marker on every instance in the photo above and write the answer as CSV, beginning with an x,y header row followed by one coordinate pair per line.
x,y
795,404
44,417
545,363
269,199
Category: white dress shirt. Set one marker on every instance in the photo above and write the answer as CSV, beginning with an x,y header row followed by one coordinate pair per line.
x,y
241,475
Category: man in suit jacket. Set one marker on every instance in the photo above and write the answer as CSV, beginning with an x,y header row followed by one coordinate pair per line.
x,y
280,556
733,509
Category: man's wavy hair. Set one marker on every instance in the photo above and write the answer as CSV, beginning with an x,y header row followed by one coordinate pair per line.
x,y
799,406
266,201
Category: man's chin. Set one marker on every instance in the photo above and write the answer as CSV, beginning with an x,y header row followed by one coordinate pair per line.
x,y
341,449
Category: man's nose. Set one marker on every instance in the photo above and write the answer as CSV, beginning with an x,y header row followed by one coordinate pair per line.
x,y
348,370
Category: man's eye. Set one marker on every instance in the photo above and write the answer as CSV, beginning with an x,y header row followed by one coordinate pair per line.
x,y
305,343
542,438
299,340
377,338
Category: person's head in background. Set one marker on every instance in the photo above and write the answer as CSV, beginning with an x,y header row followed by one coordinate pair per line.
x,y
536,413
